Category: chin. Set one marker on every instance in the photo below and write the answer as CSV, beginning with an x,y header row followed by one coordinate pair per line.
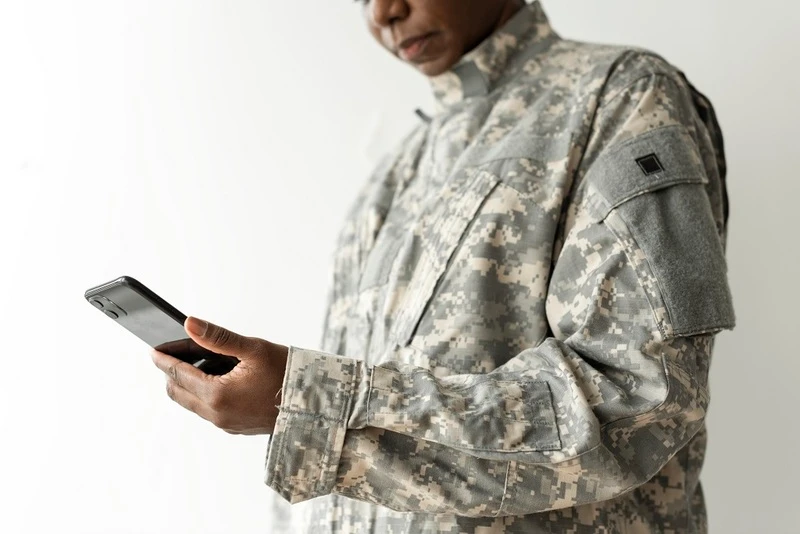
x,y
435,67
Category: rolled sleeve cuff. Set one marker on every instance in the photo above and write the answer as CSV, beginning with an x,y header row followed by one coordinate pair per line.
x,y
318,395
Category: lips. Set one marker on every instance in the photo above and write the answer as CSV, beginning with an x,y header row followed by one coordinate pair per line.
x,y
412,48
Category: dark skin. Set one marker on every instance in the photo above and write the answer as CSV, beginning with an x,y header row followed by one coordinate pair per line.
x,y
244,401
454,27
429,35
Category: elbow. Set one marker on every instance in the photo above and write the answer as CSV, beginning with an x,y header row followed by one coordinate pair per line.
x,y
623,455
627,457
643,444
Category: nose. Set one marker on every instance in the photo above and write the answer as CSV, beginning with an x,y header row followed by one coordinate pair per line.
x,y
387,12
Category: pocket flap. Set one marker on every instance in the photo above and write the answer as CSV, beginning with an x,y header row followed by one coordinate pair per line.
x,y
646,163
459,201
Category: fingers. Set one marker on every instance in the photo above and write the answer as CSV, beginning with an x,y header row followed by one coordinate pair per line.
x,y
184,375
188,400
189,387
218,339
204,408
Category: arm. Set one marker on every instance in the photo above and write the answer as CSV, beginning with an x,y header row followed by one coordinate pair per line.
x,y
637,291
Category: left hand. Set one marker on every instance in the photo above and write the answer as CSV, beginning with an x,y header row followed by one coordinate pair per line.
x,y
244,401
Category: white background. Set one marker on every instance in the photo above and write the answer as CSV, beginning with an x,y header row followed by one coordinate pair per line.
x,y
211,148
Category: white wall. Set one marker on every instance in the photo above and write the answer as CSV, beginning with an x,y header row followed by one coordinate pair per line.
x,y
211,148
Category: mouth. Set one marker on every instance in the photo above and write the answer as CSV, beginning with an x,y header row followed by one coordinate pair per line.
x,y
413,48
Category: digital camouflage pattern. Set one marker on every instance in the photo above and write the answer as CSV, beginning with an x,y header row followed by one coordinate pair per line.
x,y
523,308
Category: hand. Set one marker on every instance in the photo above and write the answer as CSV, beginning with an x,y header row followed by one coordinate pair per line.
x,y
244,401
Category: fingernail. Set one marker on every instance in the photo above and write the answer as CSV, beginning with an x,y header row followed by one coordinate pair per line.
x,y
197,326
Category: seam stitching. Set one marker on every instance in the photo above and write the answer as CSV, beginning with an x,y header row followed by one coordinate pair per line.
x,y
505,490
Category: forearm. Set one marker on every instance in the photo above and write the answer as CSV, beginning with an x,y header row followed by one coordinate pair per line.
x,y
462,444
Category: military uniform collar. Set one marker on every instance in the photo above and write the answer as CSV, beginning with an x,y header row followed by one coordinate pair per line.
x,y
484,67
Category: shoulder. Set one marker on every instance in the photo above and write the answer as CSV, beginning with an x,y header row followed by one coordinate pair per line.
x,y
627,91
601,70
640,67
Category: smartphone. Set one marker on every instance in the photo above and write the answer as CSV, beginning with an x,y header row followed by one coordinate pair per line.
x,y
156,322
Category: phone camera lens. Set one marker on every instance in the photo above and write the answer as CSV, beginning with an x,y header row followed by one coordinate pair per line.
x,y
97,304
112,314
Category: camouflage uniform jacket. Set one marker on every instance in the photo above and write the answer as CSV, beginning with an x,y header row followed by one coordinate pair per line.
x,y
523,308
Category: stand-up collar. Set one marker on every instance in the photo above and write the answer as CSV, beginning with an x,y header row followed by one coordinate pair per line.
x,y
480,70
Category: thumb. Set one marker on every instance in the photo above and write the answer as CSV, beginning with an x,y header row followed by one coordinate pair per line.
x,y
217,339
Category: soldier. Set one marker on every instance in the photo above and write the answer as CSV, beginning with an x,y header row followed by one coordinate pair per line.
x,y
524,300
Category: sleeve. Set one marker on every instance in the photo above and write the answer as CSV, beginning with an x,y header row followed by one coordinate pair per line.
x,y
636,293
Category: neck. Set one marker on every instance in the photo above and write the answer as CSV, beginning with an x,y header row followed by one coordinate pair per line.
x,y
522,31
510,8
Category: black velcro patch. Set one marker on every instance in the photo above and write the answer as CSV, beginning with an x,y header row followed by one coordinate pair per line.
x,y
650,164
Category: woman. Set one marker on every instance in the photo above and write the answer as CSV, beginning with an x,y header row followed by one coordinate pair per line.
x,y
525,299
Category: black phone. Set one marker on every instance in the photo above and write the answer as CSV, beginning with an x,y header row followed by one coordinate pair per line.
x,y
156,322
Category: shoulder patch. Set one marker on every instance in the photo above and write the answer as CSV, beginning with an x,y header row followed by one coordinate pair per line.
x,y
649,191
648,162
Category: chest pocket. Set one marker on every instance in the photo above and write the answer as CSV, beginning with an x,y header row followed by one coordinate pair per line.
x,y
439,234
382,258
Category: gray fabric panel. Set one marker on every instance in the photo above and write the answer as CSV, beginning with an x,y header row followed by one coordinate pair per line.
x,y
617,174
473,82
380,261
520,146
670,218
675,229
